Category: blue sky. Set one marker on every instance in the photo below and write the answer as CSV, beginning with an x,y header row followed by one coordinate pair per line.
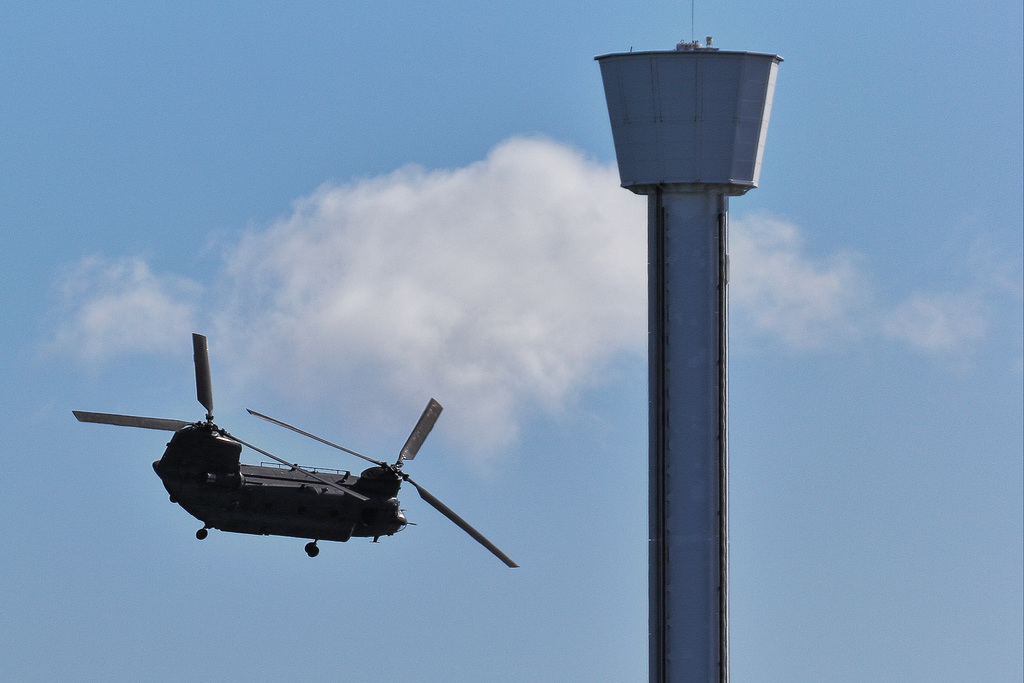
x,y
365,207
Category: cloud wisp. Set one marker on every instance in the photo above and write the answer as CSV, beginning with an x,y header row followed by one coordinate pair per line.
x,y
778,291
121,306
501,288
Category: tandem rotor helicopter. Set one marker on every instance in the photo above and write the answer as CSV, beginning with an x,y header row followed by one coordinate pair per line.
x,y
202,473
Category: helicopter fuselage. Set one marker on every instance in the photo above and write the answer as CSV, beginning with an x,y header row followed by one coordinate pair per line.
x,y
202,472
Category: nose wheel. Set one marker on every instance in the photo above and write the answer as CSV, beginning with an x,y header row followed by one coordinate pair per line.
x,y
202,533
311,549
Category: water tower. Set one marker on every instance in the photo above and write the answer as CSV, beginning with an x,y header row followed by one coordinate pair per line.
x,y
689,128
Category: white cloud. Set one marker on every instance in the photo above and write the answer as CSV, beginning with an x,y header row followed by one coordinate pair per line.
x,y
780,292
497,287
936,322
121,307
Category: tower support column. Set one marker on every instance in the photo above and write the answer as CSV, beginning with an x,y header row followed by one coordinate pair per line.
x,y
688,473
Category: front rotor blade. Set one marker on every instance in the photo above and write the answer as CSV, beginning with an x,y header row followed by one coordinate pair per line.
x,y
314,437
463,524
204,386
420,431
314,475
165,424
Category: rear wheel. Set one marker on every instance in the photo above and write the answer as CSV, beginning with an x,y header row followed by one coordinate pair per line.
x,y
311,549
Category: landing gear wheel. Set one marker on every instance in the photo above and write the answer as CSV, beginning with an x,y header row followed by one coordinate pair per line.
x,y
202,533
311,549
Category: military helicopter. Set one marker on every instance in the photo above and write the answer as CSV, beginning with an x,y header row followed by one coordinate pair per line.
x,y
201,471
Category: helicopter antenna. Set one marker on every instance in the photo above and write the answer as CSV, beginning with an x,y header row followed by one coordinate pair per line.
x,y
204,387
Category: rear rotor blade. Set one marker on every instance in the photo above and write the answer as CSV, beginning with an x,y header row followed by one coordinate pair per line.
x,y
165,424
314,475
204,386
314,437
463,524
420,431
